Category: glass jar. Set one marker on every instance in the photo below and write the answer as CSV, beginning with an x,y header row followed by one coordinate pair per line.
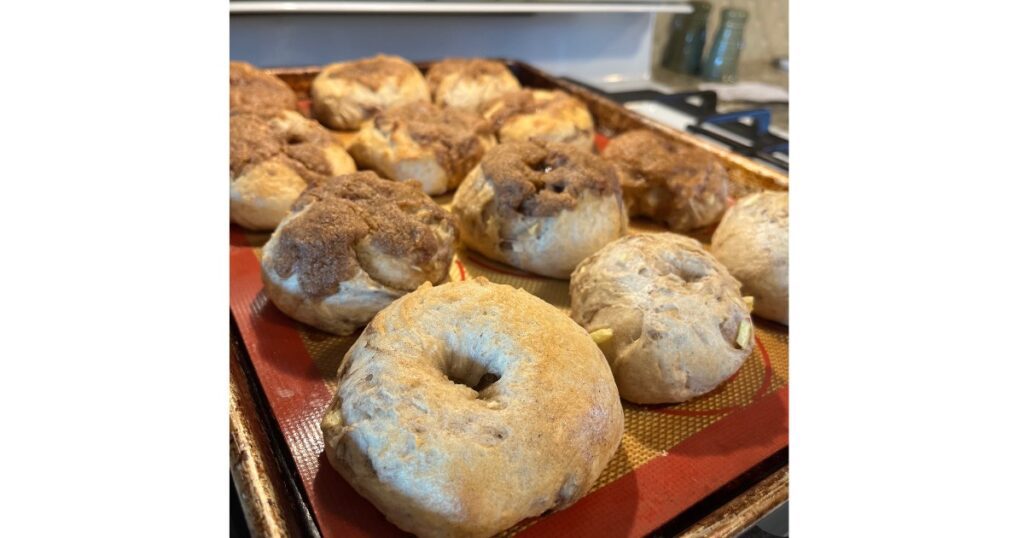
x,y
688,32
722,61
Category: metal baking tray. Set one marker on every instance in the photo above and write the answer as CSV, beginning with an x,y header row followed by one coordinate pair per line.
x,y
726,468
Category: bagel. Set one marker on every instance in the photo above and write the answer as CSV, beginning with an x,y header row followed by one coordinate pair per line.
x,y
753,242
542,116
420,141
677,322
667,182
469,83
273,159
540,207
346,94
350,246
254,91
467,407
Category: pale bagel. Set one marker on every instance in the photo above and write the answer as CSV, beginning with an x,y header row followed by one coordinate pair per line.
x,y
674,323
753,242
467,407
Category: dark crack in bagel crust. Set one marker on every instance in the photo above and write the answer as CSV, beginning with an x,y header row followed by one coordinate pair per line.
x,y
669,182
256,138
255,91
454,136
538,180
394,218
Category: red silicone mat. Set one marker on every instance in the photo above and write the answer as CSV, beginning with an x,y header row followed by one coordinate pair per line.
x,y
671,457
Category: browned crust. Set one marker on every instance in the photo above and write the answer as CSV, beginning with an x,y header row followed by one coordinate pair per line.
x,y
539,180
649,162
454,136
372,72
254,140
468,68
395,217
255,91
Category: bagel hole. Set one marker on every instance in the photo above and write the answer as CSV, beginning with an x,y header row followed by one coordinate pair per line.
x,y
473,375
486,380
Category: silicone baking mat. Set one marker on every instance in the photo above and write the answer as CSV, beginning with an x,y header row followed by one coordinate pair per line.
x,y
670,458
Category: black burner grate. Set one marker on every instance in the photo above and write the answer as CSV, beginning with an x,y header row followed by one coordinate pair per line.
x,y
743,131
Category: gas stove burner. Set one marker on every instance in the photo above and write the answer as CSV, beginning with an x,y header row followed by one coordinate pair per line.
x,y
744,131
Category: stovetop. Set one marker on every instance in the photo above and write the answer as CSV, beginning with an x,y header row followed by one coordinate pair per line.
x,y
746,131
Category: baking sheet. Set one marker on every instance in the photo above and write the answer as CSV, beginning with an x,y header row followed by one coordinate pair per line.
x,y
670,458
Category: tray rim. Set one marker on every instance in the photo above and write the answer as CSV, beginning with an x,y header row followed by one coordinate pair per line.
x,y
266,480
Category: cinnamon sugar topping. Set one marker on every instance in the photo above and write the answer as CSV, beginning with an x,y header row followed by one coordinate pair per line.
x,y
298,142
470,68
394,218
455,136
258,92
372,72
525,102
542,179
649,162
